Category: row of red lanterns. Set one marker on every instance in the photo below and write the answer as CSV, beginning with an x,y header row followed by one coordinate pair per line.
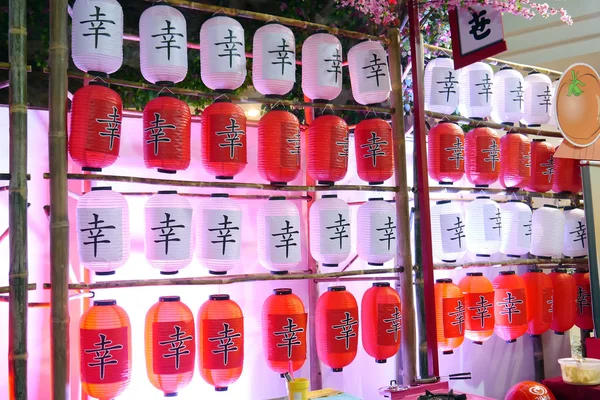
x,y
513,160
95,139
171,338
511,306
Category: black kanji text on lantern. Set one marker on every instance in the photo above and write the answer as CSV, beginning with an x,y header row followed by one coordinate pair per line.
x,y
283,55
373,147
493,154
286,237
226,344
459,316
374,68
395,322
290,336
509,306
229,48
224,235
486,87
457,150
583,299
157,133
295,146
388,232
580,233
232,137
545,98
478,25
449,85
168,38
346,328
177,343
339,230
457,231
97,25
548,168
113,124
167,232
344,143
482,310
95,233
518,94
497,221
102,354
335,64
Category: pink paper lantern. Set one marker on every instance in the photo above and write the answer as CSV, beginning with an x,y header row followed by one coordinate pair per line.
x,y
369,73
273,60
322,67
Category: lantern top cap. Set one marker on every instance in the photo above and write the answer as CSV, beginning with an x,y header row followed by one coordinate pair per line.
x,y
101,188
569,208
277,198
282,291
505,68
534,270
507,272
336,289
533,72
445,280
443,202
551,206
168,299
221,195
514,201
381,284
98,83
539,140
167,192
447,122
560,270
474,274
482,197
218,297
329,196
105,302
376,199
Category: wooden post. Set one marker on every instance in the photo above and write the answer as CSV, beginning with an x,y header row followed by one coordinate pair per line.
x,y
59,217
403,256
17,202
538,358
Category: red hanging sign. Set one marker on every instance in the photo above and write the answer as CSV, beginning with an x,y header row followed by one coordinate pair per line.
x,y
480,311
287,340
454,317
510,309
389,324
228,141
223,343
105,355
173,347
343,330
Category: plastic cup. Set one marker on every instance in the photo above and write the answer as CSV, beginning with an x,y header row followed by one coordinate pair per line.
x,y
298,389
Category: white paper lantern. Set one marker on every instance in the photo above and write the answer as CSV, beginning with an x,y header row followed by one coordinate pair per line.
x,y
377,233
219,233
476,90
548,226
508,96
516,228
97,36
169,240
330,237
279,235
448,233
103,230
575,242
552,111
273,60
484,226
322,67
538,99
441,86
222,53
369,73
163,45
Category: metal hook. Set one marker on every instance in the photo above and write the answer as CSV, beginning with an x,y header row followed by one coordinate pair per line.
x,y
165,88
278,102
272,19
98,78
220,11
221,96
370,111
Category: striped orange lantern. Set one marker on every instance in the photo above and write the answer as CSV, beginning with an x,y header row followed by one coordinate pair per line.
x,y
542,166
515,156
567,176
170,345
539,294
220,341
565,300
583,312
105,350
381,319
479,303
449,315
510,306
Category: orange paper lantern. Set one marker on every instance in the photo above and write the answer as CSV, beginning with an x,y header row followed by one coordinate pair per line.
x,y
373,144
539,292
542,166
445,152
510,306
327,149
482,156
479,303
449,315
565,300
515,157
583,311
567,176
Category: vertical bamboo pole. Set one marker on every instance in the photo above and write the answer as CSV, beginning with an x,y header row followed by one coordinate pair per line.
x,y
59,218
538,358
403,256
17,202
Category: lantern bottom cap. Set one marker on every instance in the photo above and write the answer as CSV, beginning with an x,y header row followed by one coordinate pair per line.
x,y
513,256
376,264
105,273
222,177
534,336
559,333
98,74
279,272
575,257
513,189
282,375
543,257
483,255
91,169
376,183
217,272
447,352
326,183
166,171
337,369
449,261
534,126
174,394
169,272
330,265
446,183
221,389
380,361
511,341
279,183
482,186
478,343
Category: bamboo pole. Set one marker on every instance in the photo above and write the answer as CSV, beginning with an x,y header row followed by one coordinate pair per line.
x,y
542,263
6,65
59,218
6,289
538,358
233,196
6,299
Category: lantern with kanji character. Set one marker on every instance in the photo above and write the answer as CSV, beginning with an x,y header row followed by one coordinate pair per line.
x,y
103,230
219,233
547,232
449,315
445,152
220,341
542,166
575,242
169,235
322,67
564,301
222,54
507,98
515,161
328,149
552,110
516,228
369,73
105,350
373,144
479,304
537,99
483,221
284,324
163,45
336,329
583,303
273,60
279,147
278,224
448,231
441,86
482,156
223,139
539,294
96,117
529,391
170,345
510,306
167,127
330,237
377,234
381,321
475,90
97,36
567,176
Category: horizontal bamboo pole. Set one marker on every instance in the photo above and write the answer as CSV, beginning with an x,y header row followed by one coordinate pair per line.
x,y
6,289
233,196
6,177
550,263
452,191
225,280
5,65
5,299
360,279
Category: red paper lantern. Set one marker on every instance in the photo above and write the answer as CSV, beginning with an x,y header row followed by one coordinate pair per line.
x,y
224,150
105,350
167,126
328,149
539,292
284,331
542,166
510,306
529,391
479,303
279,147
515,154
449,315
220,341
373,144
583,312
565,300
446,152
381,320
95,138
170,345
482,156
337,328
567,175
